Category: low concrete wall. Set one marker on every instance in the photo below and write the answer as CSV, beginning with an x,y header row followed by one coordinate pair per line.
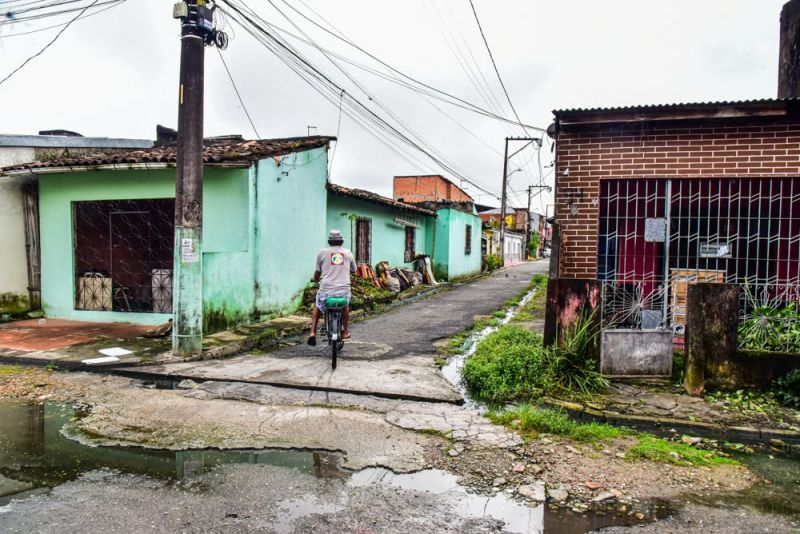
x,y
626,352
713,360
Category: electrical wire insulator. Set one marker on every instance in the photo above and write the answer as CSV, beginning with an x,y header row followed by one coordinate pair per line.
x,y
221,40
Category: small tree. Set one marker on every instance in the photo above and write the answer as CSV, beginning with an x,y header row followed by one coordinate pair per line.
x,y
533,245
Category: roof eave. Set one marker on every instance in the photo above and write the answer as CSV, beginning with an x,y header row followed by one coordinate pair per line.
x,y
36,171
678,112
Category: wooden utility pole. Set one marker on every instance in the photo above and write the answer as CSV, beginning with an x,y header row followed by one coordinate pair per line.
x,y
503,208
528,221
789,55
187,307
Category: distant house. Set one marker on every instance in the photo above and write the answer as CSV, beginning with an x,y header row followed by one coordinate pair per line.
x,y
377,228
515,250
427,188
456,237
650,199
517,217
19,220
107,226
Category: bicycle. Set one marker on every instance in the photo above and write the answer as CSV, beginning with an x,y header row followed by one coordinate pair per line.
x,y
334,307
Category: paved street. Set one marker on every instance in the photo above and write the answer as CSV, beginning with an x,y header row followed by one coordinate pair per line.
x,y
391,354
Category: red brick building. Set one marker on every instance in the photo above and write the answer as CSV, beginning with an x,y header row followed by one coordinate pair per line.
x,y
519,217
652,198
430,188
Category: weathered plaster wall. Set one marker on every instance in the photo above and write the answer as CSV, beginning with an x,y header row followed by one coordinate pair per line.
x,y
13,266
226,241
290,227
388,237
450,260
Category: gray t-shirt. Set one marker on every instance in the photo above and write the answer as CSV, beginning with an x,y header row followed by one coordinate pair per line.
x,y
335,265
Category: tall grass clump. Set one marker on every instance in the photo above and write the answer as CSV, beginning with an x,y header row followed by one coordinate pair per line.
x,y
512,364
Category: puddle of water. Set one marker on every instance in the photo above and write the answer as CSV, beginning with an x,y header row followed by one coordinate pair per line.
x,y
517,517
779,490
452,369
35,456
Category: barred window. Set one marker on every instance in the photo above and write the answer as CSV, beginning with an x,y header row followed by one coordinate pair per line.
x,y
468,240
411,245
123,255
364,240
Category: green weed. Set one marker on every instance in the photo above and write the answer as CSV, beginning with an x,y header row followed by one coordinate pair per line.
x,y
661,450
530,421
7,370
787,389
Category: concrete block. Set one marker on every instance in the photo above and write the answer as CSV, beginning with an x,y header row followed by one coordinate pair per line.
x,y
625,352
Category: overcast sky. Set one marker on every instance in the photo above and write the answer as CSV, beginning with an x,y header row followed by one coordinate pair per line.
x,y
115,74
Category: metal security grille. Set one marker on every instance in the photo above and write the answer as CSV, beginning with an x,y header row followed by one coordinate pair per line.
x,y
658,236
123,255
364,240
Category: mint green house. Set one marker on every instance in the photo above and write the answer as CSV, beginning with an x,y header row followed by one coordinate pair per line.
x,y
106,225
377,228
457,241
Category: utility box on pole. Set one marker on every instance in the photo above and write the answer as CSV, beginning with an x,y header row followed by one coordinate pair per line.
x,y
187,309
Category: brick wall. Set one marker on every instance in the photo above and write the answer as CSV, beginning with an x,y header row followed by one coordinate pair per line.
x,y
431,188
730,149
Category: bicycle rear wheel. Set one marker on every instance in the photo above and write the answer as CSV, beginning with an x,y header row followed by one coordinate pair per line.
x,y
334,353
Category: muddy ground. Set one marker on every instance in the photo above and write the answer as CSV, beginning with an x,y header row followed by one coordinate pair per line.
x,y
366,432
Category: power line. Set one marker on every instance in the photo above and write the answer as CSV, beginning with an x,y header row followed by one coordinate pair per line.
x,y
357,110
18,34
236,90
464,103
53,40
491,56
338,129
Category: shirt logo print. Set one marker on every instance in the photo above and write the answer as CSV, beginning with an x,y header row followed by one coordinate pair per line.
x,y
337,258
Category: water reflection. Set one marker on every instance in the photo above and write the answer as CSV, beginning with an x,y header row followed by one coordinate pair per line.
x,y
34,454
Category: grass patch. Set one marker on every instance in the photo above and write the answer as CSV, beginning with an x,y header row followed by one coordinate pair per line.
x,y
535,308
512,364
661,450
507,365
530,421
8,370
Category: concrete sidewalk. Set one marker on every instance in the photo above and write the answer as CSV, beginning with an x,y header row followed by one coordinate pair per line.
x,y
390,355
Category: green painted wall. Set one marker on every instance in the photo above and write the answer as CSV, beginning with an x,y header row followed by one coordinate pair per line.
x,y
388,237
226,218
289,227
450,260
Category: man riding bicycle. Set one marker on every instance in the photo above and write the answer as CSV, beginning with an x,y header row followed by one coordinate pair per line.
x,y
335,264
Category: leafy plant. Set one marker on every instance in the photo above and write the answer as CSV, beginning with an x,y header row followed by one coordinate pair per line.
x,y
747,401
513,364
773,329
571,366
533,245
787,389
507,365
493,261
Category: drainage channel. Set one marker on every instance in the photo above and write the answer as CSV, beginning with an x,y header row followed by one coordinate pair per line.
x,y
452,368
37,456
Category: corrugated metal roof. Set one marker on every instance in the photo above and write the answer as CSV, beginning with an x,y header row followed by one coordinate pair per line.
x,y
676,106
376,198
237,152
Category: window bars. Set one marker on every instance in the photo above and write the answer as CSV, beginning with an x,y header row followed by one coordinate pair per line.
x,y
658,236
123,251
